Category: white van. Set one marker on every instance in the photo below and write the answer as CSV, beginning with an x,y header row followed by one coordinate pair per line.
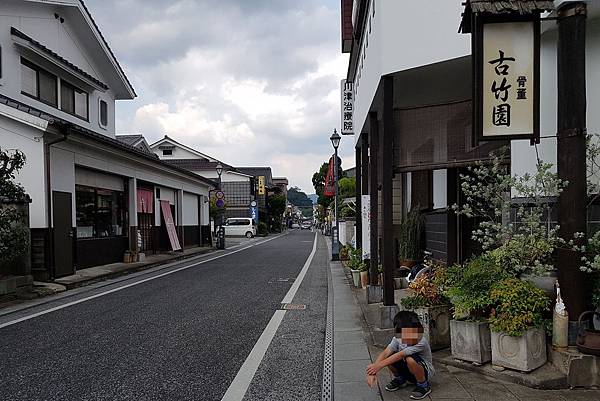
x,y
240,226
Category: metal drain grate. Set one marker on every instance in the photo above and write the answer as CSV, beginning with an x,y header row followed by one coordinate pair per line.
x,y
327,388
293,306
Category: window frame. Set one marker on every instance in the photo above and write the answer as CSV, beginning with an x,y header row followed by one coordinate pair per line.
x,y
122,211
167,150
75,89
100,101
37,69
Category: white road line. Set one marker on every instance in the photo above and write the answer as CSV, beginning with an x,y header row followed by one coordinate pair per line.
x,y
238,387
63,306
292,292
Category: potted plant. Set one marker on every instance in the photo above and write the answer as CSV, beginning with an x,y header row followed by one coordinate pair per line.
x,y
429,303
344,251
410,238
364,274
518,338
355,263
468,287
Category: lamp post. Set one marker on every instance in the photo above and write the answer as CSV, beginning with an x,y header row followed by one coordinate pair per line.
x,y
335,240
221,232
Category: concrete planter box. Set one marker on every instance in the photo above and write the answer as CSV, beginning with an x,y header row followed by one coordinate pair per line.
x,y
471,341
436,325
356,277
524,353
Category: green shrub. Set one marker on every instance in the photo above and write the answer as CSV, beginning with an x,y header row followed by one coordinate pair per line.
x,y
344,251
262,228
469,286
519,306
427,290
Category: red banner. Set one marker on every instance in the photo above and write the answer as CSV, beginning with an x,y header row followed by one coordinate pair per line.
x,y
145,201
330,180
171,230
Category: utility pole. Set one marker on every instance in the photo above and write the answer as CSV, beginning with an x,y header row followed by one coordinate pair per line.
x,y
571,150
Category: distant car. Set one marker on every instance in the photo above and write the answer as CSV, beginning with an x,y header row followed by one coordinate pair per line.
x,y
306,225
240,226
295,225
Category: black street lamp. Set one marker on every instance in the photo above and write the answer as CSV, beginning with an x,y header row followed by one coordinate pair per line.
x,y
335,240
221,232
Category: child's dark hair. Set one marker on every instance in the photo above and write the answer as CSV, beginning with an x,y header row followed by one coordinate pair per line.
x,y
408,320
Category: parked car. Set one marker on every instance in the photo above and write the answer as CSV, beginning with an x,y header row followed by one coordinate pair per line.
x,y
295,225
306,225
240,226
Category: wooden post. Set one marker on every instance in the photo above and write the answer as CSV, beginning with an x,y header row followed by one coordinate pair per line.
x,y
358,202
387,187
373,192
571,149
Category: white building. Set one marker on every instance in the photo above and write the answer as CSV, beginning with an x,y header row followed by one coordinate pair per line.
x,y
94,197
417,47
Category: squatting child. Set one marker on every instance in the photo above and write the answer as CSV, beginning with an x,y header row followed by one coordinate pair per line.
x,y
408,357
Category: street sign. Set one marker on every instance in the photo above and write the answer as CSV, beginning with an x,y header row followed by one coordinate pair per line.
x,y
261,185
220,195
253,203
220,203
347,105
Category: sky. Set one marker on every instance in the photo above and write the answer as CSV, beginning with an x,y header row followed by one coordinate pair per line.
x,y
249,82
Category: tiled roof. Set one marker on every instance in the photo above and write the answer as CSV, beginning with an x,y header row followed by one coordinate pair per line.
x,y
130,139
196,164
115,143
107,46
15,32
504,6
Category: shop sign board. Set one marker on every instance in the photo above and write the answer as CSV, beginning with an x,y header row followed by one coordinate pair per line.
x,y
507,78
365,215
165,206
261,185
347,107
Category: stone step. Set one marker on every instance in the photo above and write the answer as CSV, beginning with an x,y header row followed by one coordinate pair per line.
x,y
582,370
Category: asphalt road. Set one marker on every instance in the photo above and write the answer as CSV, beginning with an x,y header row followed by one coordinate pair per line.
x,y
183,336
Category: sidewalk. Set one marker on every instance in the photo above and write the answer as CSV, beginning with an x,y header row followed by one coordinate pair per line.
x,y
354,349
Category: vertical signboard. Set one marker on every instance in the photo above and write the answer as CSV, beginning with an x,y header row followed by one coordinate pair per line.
x,y
347,107
254,212
508,80
261,185
170,225
365,215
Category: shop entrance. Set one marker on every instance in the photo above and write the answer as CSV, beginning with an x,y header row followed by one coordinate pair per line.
x,y
62,213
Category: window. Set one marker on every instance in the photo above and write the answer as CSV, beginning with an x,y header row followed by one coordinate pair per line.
x,y
100,212
73,100
167,152
38,83
103,113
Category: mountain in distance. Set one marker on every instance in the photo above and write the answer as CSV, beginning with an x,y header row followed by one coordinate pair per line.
x,y
313,198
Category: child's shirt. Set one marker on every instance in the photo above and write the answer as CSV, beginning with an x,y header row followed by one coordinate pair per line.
x,y
421,348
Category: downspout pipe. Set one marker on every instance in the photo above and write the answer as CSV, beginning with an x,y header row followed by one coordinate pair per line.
x,y
65,134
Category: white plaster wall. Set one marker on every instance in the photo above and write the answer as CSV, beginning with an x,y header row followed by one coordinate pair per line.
x,y
523,156
37,20
166,194
178,153
440,188
204,215
14,135
227,176
404,35
190,209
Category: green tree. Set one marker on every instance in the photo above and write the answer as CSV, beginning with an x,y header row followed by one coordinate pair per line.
x,y
14,234
318,181
298,198
276,205
347,187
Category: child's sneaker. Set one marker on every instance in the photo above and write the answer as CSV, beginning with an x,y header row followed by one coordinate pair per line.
x,y
420,392
396,384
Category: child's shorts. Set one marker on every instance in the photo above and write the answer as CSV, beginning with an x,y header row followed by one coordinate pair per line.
x,y
402,368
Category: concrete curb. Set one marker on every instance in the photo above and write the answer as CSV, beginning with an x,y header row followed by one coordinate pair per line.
x,y
135,267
